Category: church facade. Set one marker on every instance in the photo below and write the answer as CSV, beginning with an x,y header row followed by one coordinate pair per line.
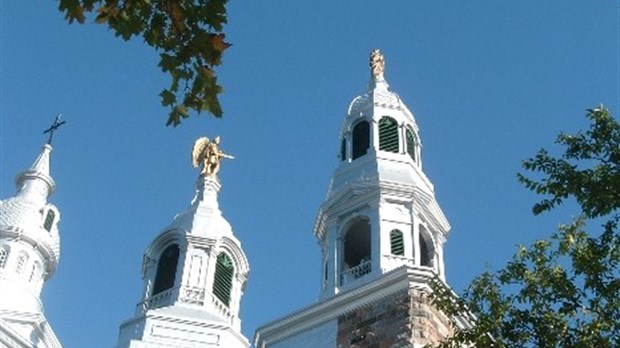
x,y
381,234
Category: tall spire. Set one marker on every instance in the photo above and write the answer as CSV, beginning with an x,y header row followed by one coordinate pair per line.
x,y
29,254
36,181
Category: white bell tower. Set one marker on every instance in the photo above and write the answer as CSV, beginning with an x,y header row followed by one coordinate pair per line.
x,y
380,212
382,236
29,254
194,274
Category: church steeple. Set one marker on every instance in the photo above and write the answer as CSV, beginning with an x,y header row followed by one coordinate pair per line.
x,y
194,273
29,255
381,233
381,211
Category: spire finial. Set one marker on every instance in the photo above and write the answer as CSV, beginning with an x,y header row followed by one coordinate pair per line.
x,y
57,123
377,64
208,154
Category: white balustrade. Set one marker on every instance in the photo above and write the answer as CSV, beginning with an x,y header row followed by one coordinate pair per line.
x,y
156,300
356,272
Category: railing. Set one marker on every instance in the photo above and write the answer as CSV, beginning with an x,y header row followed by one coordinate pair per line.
x,y
156,300
187,294
356,272
221,307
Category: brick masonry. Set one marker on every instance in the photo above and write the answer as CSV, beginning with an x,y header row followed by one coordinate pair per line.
x,y
404,319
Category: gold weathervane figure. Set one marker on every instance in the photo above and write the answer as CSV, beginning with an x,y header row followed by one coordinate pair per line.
x,y
208,154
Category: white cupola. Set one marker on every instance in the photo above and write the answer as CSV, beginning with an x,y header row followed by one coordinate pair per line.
x,y
194,275
380,212
29,254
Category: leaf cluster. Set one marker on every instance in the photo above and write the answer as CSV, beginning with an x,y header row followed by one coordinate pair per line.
x,y
187,33
563,291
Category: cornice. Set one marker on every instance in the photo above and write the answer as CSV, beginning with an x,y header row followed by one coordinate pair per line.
x,y
402,278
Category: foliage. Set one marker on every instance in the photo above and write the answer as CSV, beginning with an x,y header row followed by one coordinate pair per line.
x,y
564,291
187,33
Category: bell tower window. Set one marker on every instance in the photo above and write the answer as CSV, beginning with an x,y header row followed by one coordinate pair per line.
x,y
222,283
411,148
397,245
166,269
388,134
361,139
49,220
357,262
427,251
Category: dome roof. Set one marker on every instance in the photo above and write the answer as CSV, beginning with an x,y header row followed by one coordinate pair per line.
x,y
203,217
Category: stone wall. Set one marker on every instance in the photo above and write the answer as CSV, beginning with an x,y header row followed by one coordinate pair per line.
x,y
404,319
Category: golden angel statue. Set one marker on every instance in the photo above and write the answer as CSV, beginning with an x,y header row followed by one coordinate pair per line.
x,y
208,154
377,64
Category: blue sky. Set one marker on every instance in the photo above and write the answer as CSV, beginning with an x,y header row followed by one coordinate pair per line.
x,y
489,83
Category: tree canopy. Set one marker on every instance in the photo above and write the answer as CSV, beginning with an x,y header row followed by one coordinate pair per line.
x,y
563,291
187,33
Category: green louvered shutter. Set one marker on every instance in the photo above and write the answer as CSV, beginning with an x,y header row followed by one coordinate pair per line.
x,y
410,144
396,242
388,134
222,284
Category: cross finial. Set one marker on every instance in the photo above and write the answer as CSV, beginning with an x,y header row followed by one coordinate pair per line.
x,y
57,123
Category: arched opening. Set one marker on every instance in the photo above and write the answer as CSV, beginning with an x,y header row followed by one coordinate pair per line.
x,y
166,269
427,251
397,245
22,260
49,220
4,255
222,282
411,144
36,267
357,260
343,149
361,139
388,134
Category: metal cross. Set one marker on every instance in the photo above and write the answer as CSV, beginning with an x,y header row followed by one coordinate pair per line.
x,y
57,123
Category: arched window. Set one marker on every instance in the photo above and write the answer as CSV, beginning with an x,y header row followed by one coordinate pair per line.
x,y
427,251
343,149
4,254
388,134
411,143
166,269
36,267
357,248
222,282
397,245
22,260
49,220
361,139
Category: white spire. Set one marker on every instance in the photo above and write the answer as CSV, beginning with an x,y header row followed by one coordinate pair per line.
x,y
30,250
36,182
